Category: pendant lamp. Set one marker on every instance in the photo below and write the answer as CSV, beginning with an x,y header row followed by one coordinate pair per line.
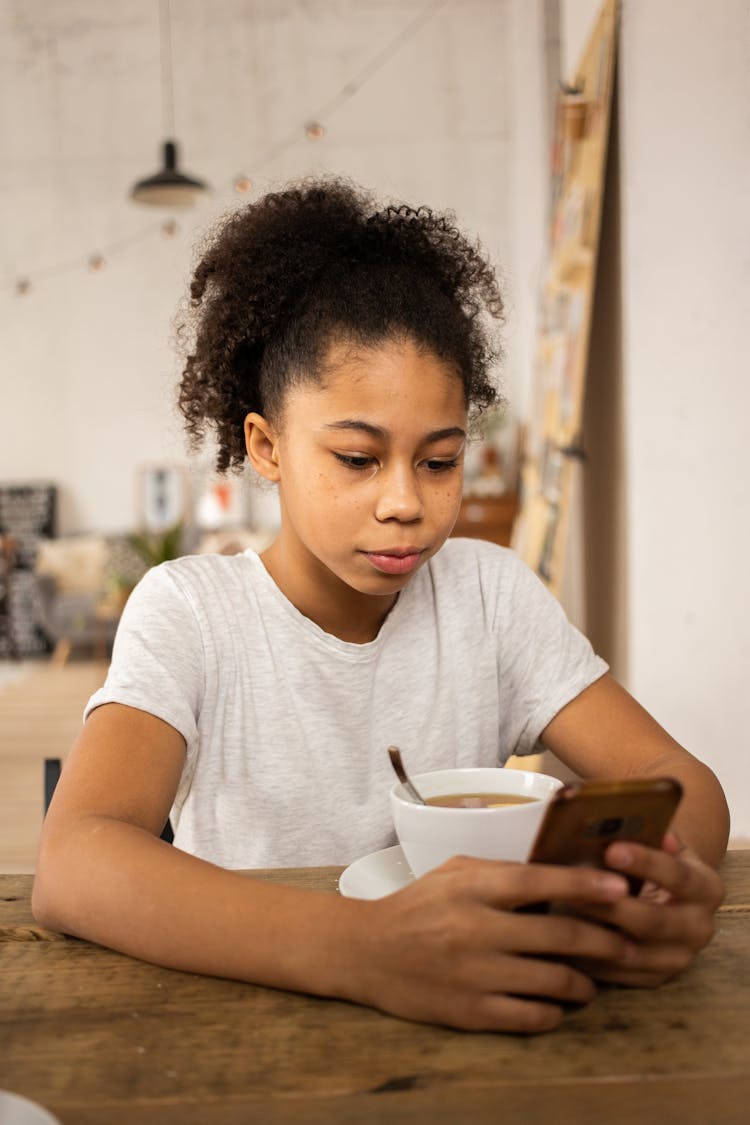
x,y
169,187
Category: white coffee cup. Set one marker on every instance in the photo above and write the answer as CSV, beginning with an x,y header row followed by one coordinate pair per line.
x,y
431,834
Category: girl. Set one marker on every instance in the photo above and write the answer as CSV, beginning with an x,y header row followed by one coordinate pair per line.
x,y
342,349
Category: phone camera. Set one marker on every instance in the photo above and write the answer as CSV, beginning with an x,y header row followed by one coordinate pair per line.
x,y
610,826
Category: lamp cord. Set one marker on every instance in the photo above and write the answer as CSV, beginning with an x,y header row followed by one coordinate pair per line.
x,y
167,92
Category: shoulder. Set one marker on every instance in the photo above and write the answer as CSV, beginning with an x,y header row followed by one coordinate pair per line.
x,y
485,563
191,583
210,571
475,572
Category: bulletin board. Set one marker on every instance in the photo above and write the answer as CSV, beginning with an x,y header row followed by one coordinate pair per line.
x,y
551,454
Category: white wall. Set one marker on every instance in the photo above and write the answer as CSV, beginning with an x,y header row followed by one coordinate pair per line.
x,y
684,86
686,163
87,366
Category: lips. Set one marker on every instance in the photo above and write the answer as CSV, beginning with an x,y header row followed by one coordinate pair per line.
x,y
400,561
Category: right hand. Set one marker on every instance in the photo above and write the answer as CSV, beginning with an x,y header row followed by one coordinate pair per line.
x,y
449,948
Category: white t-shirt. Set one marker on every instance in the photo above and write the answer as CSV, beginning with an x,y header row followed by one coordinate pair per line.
x,y
287,727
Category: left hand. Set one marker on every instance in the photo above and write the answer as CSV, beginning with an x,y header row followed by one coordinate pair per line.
x,y
670,921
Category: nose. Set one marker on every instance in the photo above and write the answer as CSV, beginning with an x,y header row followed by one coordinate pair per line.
x,y
399,497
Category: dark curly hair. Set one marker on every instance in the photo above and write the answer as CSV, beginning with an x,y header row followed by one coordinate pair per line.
x,y
284,278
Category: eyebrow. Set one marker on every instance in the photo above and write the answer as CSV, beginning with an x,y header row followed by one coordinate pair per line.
x,y
379,432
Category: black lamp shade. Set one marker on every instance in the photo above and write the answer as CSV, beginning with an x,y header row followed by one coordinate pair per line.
x,y
169,187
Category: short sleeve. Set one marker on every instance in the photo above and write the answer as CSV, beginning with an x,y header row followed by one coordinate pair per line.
x,y
157,658
544,662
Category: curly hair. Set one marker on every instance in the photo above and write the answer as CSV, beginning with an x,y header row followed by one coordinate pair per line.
x,y
284,278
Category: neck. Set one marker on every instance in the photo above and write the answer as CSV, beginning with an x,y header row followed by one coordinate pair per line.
x,y
323,598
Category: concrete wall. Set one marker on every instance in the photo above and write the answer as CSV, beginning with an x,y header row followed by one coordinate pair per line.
x,y
455,119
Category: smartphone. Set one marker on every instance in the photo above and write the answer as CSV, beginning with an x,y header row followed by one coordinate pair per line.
x,y
584,818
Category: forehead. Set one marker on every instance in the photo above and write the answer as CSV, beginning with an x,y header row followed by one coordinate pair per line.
x,y
392,384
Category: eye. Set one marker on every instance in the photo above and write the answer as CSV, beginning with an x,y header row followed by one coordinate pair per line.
x,y
436,466
356,461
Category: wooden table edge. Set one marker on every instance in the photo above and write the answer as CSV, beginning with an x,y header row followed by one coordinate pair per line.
x,y
616,1097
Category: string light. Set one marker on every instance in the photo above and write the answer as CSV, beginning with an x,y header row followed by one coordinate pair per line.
x,y
314,129
93,262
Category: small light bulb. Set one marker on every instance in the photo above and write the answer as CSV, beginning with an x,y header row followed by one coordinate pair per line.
x,y
96,263
169,228
23,285
314,130
243,184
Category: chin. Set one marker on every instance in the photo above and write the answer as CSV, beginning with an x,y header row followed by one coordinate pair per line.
x,y
380,586
377,583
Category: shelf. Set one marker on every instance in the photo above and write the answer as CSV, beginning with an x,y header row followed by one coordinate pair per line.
x,y
487,517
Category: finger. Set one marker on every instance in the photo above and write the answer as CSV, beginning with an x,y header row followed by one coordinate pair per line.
x,y
483,1010
628,978
553,980
508,885
679,924
651,966
684,875
500,1012
524,976
563,936
662,961
672,844
650,892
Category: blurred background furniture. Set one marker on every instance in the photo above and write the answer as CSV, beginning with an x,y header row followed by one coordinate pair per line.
x,y
27,518
8,646
488,517
83,582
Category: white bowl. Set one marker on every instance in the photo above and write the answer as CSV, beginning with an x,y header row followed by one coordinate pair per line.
x,y
431,834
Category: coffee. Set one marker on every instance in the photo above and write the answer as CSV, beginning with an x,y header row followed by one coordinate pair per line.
x,y
428,836
478,800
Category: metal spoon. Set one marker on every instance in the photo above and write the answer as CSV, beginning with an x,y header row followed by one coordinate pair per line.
x,y
402,775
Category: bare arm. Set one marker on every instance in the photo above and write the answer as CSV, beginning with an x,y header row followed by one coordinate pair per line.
x,y
449,949
604,732
104,874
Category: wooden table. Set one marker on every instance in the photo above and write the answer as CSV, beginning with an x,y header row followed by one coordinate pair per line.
x,y
100,1038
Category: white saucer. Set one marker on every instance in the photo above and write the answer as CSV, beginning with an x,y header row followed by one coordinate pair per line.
x,y
15,1110
376,875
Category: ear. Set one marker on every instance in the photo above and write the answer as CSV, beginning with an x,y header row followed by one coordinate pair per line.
x,y
262,445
